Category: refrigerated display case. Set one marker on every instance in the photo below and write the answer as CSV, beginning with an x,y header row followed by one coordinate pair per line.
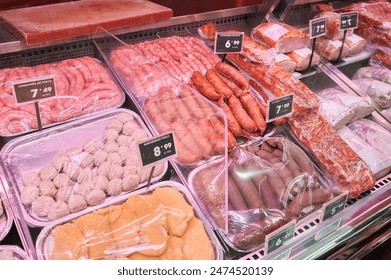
x,y
340,237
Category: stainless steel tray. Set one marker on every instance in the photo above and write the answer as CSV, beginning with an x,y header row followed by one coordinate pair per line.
x,y
42,242
31,152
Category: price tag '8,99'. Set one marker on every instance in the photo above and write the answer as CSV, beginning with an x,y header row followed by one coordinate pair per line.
x,y
33,90
157,149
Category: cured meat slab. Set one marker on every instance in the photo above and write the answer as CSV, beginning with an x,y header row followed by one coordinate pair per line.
x,y
65,20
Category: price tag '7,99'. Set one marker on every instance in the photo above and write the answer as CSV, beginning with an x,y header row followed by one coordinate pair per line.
x,y
157,149
228,43
279,107
317,27
33,90
348,21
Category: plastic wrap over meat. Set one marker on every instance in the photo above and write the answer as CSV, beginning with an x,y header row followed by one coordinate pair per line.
x,y
279,83
330,49
336,114
5,216
66,170
348,173
360,106
373,134
355,43
302,58
83,86
283,37
377,163
333,25
374,35
379,91
374,72
269,184
159,224
381,57
11,252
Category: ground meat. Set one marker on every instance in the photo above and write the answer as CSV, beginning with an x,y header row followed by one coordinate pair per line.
x,y
131,169
139,135
63,194
130,182
84,175
31,179
129,128
85,160
77,203
29,194
100,157
91,146
116,171
114,187
124,152
83,189
133,159
95,197
42,205
100,182
62,180
110,135
111,146
47,188
125,117
72,169
48,172
58,210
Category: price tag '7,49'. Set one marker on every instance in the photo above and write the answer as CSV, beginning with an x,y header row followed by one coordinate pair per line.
x,y
279,107
348,21
157,149
317,27
228,43
33,90
279,237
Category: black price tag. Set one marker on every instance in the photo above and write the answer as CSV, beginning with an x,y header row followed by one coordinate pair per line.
x,y
229,42
317,27
348,21
279,237
279,107
334,206
157,149
34,90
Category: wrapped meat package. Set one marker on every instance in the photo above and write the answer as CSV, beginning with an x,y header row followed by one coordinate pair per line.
x,y
347,171
355,43
333,30
283,37
162,223
379,91
64,170
302,58
377,163
11,252
269,183
381,57
5,216
330,49
335,113
82,85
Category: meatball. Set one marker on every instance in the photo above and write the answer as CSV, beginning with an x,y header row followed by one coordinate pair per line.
x,y
129,128
159,168
48,172
100,182
47,188
77,203
131,169
58,210
42,205
104,169
62,180
114,187
110,135
130,182
72,169
124,152
29,194
133,159
83,189
139,135
73,152
111,146
63,194
114,158
125,117
91,146
59,161
115,124
100,157
124,140
84,175
31,179
95,197
144,174
116,171
85,160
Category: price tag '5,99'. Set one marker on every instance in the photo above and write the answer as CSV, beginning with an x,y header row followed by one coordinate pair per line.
x,y
34,90
228,42
157,149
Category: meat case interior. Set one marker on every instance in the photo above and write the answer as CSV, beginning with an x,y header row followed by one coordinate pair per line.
x,y
239,177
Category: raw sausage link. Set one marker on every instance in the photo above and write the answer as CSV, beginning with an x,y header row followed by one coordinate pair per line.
x,y
233,74
241,115
203,86
218,84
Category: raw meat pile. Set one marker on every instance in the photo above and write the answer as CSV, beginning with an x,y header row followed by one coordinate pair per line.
x,y
160,225
82,177
382,58
82,85
269,184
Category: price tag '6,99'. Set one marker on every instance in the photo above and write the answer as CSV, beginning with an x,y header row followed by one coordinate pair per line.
x,y
228,43
157,149
34,90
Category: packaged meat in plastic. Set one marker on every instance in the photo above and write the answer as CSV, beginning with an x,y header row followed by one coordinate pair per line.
x,y
302,58
279,82
286,62
374,35
347,171
373,134
330,49
333,30
379,73
67,169
5,216
257,52
269,183
283,37
161,223
380,92
335,113
381,57
355,43
82,85
360,106
377,163
208,32
12,252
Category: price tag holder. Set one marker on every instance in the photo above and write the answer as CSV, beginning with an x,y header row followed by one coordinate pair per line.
x,y
283,256
279,107
279,237
333,226
157,149
228,43
348,21
333,207
29,91
317,27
